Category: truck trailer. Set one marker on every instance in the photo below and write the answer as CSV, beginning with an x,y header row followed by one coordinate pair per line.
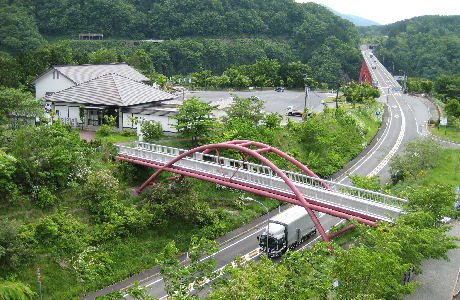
x,y
286,231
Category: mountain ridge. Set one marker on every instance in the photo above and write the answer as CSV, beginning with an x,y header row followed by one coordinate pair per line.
x,y
357,20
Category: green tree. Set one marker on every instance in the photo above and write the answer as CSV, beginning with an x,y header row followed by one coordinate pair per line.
x,y
452,108
264,280
194,119
179,277
14,251
134,291
367,183
264,72
152,131
447,86
103,56
293,73
89,265
426,86
246,109
47,156
142,61
370,272
18,30
304,275
107,128
15,103
60,233
435,199
177,199
8,188
273,120
419,156
102,189
15,291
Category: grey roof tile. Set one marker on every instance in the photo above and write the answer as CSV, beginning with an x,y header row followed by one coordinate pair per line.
x,y
112,90
79,74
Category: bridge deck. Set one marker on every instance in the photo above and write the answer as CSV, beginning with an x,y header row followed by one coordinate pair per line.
x,y
342,198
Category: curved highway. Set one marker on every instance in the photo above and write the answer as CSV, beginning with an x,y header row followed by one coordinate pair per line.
x,y
407,118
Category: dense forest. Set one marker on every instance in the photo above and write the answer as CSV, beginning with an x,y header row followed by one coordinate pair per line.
x,y
423,47
198,35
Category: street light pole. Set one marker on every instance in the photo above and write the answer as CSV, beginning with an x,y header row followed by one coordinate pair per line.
x,y
268,217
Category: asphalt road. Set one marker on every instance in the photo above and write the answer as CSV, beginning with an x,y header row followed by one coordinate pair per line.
x,y
275,101
406,119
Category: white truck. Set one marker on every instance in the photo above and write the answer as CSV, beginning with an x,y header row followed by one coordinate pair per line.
x,y
286,231
292,111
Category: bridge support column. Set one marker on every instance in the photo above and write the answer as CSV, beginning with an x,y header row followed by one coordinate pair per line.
x,y
145,184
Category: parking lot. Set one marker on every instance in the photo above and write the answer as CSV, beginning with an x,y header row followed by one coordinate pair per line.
x,y
275,101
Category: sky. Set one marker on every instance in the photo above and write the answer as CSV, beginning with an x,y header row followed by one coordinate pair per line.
x,y
391,11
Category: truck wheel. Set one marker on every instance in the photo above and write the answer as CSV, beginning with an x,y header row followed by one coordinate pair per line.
x,y
289,114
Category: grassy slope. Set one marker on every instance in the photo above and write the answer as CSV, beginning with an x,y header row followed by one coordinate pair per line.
x,y
135,254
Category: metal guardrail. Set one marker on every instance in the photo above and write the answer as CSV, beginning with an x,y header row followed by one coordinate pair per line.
x,y
347,197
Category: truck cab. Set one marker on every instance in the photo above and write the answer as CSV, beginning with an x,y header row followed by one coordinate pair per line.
x,y
292,111
276,240
286,231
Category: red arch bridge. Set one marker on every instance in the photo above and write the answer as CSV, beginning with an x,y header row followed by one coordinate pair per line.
x,y
266,179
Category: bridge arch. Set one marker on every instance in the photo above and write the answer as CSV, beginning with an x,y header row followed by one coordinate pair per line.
x,y
243,147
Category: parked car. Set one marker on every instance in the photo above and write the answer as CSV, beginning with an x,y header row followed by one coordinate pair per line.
x,y
279,89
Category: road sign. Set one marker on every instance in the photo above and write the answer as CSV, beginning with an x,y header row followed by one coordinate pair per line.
x,y
398,78
39,278
443,122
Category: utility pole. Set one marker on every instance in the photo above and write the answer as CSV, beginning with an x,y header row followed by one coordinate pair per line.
x,y
337,95
306,91
205,75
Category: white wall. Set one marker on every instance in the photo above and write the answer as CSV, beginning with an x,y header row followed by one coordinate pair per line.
x,y
48,84
63,111
74,112
218,113
166,122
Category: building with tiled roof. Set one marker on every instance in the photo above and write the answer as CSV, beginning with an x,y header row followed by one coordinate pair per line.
x,y
222,104
108,89
60,77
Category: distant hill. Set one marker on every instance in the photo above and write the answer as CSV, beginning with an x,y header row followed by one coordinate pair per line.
x,y
358,21
424,47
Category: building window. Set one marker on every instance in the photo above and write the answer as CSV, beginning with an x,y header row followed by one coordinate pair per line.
x,y
55,75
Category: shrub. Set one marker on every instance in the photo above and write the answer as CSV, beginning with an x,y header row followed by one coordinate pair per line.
x,y
7,169
127,172
45,156
179,200
152,131
127,132
102,190
105,130
60,234
14,250
44,198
